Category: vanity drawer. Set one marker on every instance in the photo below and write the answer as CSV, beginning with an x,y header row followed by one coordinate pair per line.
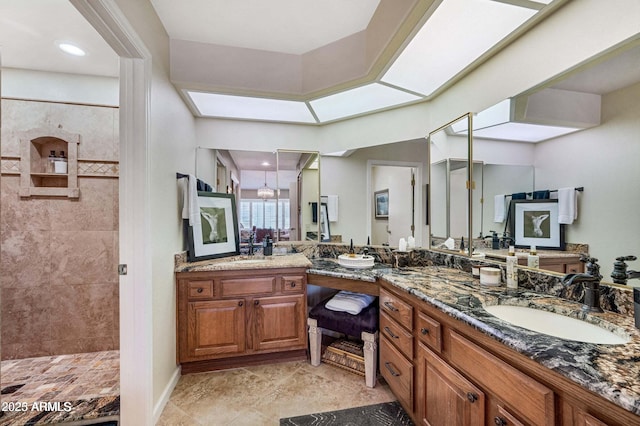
x,y
247,286
197,290
400,311
527,398
401,339
293,283
428,331
398,372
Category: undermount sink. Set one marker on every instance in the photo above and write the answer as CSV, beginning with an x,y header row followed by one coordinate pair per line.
x,y
556,325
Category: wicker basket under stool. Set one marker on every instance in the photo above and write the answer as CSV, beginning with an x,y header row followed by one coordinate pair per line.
x,y
364,326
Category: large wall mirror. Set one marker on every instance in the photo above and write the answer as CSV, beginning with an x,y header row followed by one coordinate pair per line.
x,y
577,130
395,174
301,215
452,179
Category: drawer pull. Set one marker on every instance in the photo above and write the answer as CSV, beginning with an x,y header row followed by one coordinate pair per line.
x,y
390,306
424,330
499,421
256,302
391,370
388,330
200,290
292,284
240,303
472,397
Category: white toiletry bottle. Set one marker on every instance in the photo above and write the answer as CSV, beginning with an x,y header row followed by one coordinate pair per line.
x,y
512,272
533,260
51,161
61,164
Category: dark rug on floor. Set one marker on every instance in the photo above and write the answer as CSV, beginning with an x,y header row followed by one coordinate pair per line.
x,y
387,414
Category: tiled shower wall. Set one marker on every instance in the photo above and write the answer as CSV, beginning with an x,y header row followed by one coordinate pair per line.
x,y
58,257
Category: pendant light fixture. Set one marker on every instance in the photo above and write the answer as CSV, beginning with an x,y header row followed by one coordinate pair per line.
x,y
265,192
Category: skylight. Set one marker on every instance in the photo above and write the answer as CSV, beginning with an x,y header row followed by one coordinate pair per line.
x,y
243,107
458,33
360,100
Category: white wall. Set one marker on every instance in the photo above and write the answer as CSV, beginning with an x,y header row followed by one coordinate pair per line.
x,y
171,149
60,87
604,160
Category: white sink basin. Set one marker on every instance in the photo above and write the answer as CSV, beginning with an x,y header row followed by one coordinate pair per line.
x,y
553,324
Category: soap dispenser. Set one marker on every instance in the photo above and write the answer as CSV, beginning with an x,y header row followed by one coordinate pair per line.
x,y
533,260
512,272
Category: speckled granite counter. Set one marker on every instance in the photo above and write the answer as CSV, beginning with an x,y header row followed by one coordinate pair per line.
x,y
242,262
523,253
331,268
612,371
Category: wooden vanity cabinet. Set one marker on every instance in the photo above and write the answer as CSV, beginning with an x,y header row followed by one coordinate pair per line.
x,y
463,377
228,318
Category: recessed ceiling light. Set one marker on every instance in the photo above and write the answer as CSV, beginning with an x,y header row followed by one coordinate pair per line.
x,y
265,163
71,49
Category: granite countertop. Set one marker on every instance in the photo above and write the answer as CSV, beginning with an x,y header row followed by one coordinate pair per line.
x,y
502,253
612,371
331,268
243,262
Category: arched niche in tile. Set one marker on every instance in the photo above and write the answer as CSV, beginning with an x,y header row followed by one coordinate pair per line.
x,y
39,176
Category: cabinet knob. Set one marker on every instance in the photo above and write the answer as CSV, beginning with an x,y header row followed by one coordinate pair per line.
x,y
390,306
200,290
292,284
256,302
240,303
390,333
499,421
424,330
472,397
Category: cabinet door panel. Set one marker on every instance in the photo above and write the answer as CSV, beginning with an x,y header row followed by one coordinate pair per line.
x,y
216,327
446,397
532,401
279,322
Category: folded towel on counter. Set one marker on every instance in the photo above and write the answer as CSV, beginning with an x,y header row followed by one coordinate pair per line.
x,y
190,207
346,301
541,195
567,205
499,208
519,196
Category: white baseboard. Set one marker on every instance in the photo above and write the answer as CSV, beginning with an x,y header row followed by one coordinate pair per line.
x,y
166,394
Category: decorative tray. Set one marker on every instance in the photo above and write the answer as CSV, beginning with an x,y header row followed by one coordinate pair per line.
x,y
358,261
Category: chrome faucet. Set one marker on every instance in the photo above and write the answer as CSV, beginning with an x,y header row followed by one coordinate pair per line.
x,y
620,274
590,282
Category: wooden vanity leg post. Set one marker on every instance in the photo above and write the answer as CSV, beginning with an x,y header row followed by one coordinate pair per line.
x,y
315,341
370,350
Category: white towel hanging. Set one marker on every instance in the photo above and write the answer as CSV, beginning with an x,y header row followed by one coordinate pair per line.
x,y
499,208
190,207
567,205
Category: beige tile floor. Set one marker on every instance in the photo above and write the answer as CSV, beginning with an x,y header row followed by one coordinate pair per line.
x,y
262,395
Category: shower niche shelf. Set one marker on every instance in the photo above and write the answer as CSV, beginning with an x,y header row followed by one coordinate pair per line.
x,y
35,178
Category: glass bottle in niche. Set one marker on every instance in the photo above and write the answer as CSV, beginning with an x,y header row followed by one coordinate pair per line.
x,y
51,161
61,164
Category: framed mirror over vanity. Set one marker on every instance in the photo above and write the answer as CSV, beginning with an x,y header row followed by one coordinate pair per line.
x,y
547,138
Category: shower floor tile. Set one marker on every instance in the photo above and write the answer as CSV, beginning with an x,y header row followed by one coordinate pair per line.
x,y
89,383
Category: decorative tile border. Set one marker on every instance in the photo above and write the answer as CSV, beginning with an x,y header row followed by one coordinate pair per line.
x,y
98,168
86,168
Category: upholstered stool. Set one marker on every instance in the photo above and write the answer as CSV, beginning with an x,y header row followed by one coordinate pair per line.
x,y
363,325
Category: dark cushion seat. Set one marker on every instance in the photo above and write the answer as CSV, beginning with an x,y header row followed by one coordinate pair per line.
x,y
343,322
